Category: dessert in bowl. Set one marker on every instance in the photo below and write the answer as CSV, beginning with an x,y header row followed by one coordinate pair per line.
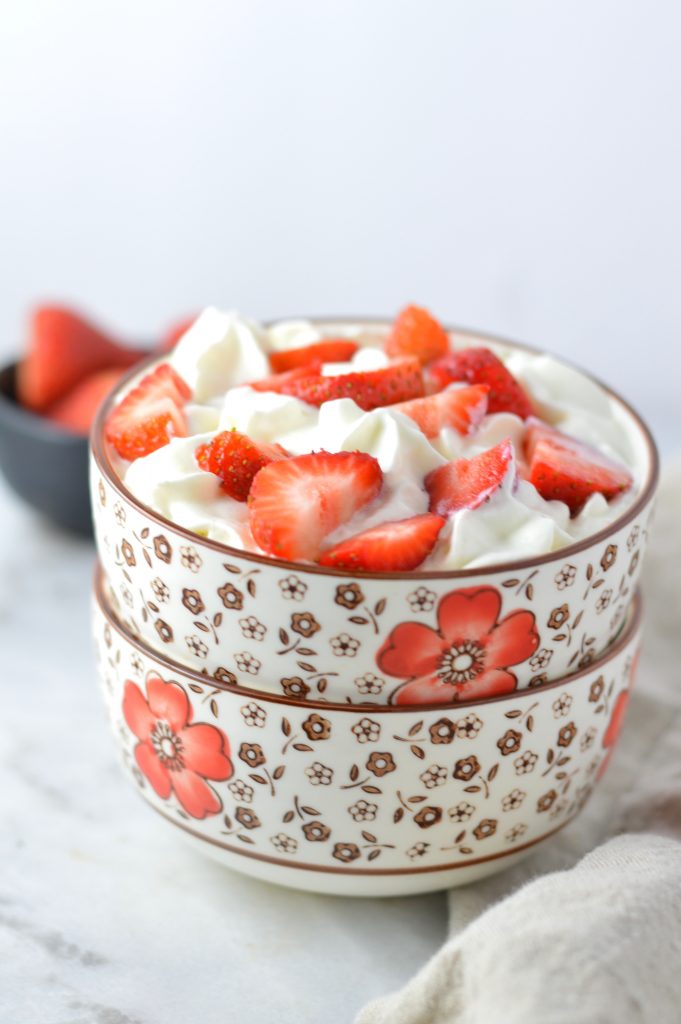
x,y
367,511
360,801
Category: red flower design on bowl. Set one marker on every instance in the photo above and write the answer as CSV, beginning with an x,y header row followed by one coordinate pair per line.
x,y
466,657
611,734
173,754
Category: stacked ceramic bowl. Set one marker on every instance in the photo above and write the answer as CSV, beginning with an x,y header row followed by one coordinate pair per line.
x,y
269,709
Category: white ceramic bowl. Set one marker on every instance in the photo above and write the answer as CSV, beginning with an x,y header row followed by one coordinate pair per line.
x,y
315,633
356,801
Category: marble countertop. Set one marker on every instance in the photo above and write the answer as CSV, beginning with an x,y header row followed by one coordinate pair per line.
x,y
105,916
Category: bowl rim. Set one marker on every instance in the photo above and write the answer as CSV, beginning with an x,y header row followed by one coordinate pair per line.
x,y
101,458
630,629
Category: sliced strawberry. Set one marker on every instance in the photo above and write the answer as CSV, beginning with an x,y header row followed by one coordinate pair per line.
x,y
64,349
397,382
235,458
416,333
462,409
280,381
565,469
481,366
174,333
76,411
467,483
390,547
149,415
329,350
294,504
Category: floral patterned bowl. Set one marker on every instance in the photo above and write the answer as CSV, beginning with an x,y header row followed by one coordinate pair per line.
x,y
411,638
379,800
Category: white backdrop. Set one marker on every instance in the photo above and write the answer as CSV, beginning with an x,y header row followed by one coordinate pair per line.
x,y
515,166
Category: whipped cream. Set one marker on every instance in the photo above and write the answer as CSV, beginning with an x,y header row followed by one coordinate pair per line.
x,y
221,352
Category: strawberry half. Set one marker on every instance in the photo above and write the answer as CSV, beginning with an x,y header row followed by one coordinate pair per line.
x,y
294,504
390,547
462,409
149,415
397,382
235,458
64,349
416,333
280,381
329,350
481,366
467,483
565,469
77,410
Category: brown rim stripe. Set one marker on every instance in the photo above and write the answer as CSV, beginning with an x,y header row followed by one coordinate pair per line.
x,y
266,697
101,457
369,872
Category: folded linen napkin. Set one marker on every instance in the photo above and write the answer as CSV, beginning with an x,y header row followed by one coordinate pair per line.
x,y
563,940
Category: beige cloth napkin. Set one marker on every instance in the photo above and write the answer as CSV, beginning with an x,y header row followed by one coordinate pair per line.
x,y
597,940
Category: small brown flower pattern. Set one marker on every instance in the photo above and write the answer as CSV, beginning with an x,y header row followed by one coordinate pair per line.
x,y
442,731
304,623
468,727
545,802
241,791
515,833
596,690
120,514
603,601
294,686
466,768
190,558
223,675
434,776
525,763
252,754
462,812
344,645
369,683
292,589
128,553
366,731
566,734
160,590
513,800
231,597
245,662
316,832
540,659
380,764
566,577
417,850
346,852
632,539
609,557
363,810
283,843
247,818
421,600
196,646
633,564
349,595
561,705
316,727
162,549
538,680
192,601
252,629
164,630
428,816
319,774
587,739
253,715
486,828
509,742
558,617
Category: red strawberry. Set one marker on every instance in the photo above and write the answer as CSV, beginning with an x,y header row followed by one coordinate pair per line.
x,y
462,409
64,349
294,504
390,547
565,469
467,483
397,382
330,350
149,415
279,381
481,366
76,411
416,333
174,333
236,459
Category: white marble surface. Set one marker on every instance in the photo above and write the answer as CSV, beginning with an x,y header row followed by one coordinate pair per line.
x,y
105,916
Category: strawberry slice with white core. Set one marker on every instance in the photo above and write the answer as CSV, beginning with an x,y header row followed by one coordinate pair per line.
x,y
565,469
391,547
149,415
236,459
462,409
467,483
296,503
481,366
398,382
